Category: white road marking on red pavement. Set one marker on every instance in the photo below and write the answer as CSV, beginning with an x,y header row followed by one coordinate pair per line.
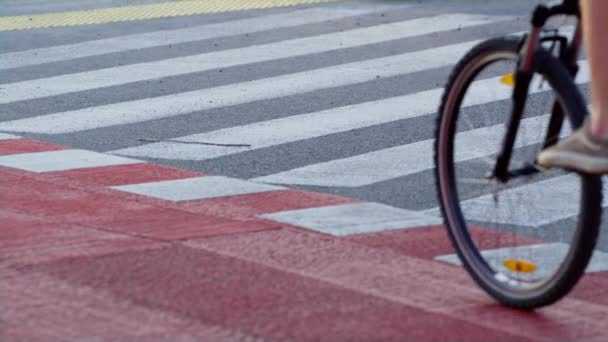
x,y
197,188
5,136
62,160
63,84
168,37
399,161
356,218
546,257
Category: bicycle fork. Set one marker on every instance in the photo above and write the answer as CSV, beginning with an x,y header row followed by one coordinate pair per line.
x,y
523,77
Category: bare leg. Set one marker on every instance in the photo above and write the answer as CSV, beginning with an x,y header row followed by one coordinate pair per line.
x,y
595,31
586,150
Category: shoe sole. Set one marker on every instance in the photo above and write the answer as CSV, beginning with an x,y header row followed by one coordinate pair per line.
x,y
573,161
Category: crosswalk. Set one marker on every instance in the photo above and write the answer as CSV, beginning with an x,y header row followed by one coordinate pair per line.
x,y
133,42
321,118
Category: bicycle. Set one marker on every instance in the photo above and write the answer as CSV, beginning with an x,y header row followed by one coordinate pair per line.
x,y
495,240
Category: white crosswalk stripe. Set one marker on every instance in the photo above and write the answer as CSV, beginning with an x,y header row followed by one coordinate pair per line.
x,y
189,34
233,94
347,219
293,128
248,136
196,188
4,136
63,84
544,255
523,201
385,164
70,159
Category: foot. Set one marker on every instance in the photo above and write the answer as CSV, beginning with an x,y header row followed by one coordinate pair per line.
x,y
580,152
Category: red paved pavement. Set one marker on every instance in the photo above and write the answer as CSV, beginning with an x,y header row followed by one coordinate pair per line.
x,y
81,261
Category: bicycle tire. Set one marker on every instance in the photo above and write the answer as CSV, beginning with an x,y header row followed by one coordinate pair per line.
x,y
588,221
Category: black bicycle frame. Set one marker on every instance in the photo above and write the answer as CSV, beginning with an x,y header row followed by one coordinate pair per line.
x,y
568,55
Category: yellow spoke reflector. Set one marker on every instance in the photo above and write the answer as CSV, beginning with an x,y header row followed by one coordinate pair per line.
x,y
519,266
508,79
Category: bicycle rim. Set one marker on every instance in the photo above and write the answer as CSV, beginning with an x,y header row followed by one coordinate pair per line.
x,y
520,240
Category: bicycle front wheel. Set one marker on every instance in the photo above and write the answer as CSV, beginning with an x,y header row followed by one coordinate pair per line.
x,y
526,242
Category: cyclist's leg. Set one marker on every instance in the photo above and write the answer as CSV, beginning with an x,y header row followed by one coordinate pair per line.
x,y
587,149
595,14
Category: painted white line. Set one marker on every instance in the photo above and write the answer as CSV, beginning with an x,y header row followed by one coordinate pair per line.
x,y
305,126
4,136
399,161
107,77
62,160
357,218
196,188
311,125
546,257
562,193
520,205
163,38
233,94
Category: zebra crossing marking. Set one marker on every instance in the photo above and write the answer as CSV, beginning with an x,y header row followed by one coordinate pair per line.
x,y
114,76
544,256
273,132
355,218
394,162
196,188
237,93
385,164
5,136
310,125
524,200
399,161
190,34
62,160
